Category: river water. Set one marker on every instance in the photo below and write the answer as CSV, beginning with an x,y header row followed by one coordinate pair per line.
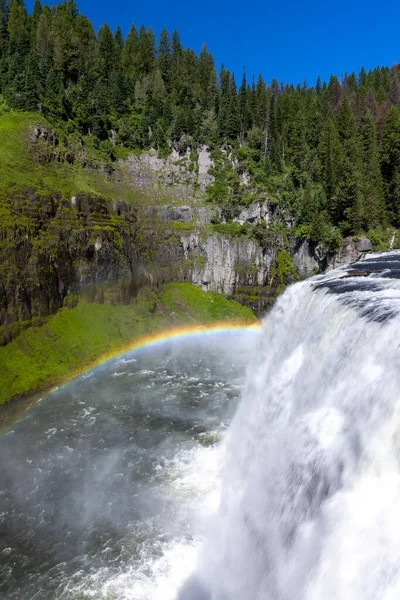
x,y
107,485
147,480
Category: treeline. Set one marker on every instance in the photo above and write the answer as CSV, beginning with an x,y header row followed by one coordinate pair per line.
x,y
330,153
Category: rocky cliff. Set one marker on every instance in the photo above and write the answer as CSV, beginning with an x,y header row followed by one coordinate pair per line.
x,y
217,247
56,245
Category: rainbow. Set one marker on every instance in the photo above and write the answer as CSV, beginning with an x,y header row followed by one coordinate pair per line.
x,y
165,337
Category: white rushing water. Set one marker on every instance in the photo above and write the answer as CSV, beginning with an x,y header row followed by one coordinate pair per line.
x,y
310,494
129,484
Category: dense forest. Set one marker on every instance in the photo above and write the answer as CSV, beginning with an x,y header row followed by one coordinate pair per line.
x,y
330,153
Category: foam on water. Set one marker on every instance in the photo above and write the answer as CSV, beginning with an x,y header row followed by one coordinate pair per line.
x,y
310,494
193,479
300,502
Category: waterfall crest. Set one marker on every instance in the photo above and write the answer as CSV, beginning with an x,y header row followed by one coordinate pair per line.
x,y
311,490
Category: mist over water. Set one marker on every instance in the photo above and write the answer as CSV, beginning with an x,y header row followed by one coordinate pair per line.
x,y
148,480
106,486
310,493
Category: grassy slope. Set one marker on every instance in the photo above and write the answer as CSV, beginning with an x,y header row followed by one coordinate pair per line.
x,y
19,170
75,338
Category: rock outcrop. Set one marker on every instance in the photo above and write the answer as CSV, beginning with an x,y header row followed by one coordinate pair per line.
x,y
179,177
54,249
350,251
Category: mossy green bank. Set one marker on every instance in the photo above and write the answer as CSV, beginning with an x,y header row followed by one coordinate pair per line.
x,y
43,166
75,338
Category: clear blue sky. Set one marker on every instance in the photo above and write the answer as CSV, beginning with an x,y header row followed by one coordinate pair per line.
x,y
288,40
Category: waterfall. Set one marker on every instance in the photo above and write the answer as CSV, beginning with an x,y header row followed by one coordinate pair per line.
x,y
310,500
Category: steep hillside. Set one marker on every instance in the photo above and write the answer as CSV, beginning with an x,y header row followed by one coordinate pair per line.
x,y
75,338
76,221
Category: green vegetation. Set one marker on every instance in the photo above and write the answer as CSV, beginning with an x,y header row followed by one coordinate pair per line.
x,y
184,227
24,164
74,101
231,229
75,338
284,270
329,155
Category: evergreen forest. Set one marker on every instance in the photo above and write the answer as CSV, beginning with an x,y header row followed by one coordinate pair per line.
x,y
329,153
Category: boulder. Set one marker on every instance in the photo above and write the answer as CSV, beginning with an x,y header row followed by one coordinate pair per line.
x,y
364,245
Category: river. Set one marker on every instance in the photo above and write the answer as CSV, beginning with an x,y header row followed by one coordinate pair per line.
x,y
108,484
146,479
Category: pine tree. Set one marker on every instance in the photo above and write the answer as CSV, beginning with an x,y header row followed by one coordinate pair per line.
x,y
362,78
335,93
118,42
65,49
18,31
158,92
3,40
128,58
145,50
390,163
243,107
394,92
318,86
374,200
31,92
261,104
54,94
345,121
164,55
168,114
348,201
232,127
207,79
330,157
177,54
44,42
37,11
107,50
298,150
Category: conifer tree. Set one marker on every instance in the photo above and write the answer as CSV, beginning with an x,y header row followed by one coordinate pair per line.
x,y
297,147
145,50
207,79
18,31
243,107
72,8
119,42
330,157
107,50
346,122
177,53
374,200
37,10
330,153
3,42
128,58
318,86
164,55
44,41
394,92
390,162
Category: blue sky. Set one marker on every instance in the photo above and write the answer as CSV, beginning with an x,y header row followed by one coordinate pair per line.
x,y
288,40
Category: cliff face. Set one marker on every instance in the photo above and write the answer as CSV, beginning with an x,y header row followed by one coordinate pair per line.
x,y
56,246
53,249
210,249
